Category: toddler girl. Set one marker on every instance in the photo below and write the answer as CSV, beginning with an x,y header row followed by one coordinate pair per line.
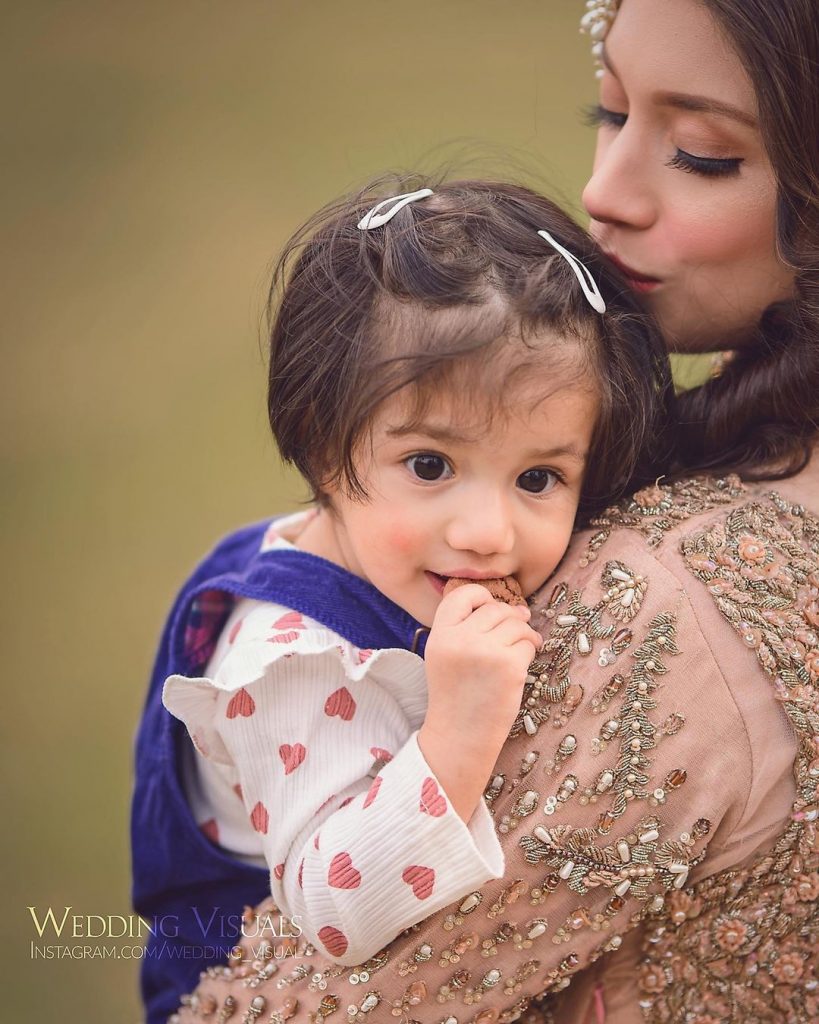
x,y
457,374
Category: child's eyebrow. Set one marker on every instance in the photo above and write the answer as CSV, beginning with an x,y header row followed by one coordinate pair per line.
x,y
447,434
568,451
437,433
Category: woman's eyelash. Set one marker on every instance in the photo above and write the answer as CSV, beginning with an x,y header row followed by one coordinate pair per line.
x,y
709,166
597,116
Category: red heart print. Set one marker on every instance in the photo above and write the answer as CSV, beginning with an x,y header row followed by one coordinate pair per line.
x,y
347,800
372,792
259,818
432,802
234,630
342,874
292,757
334,941
278,871
283,638
380,754
364,655
237,789
341,703
421,879
241,703
292,620
210,828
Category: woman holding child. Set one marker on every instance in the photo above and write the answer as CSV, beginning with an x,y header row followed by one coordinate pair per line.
x,y
655,803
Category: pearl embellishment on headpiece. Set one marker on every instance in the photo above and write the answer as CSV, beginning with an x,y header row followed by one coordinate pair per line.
x,y
596,23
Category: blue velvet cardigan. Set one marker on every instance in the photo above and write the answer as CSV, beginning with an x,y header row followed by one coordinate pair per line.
x,y
189,891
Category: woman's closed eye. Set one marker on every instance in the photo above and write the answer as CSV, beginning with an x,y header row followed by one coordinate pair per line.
x,y
709,166
598,116
429,466
539,480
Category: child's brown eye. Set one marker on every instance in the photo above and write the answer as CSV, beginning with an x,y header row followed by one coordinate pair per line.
x,y
537,481
428,466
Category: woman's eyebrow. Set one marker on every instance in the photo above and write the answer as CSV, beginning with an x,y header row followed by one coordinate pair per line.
x,y
685,101
705,105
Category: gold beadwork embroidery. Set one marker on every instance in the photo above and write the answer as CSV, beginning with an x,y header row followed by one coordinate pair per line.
x,y
635,864
575,627
656,510
742,944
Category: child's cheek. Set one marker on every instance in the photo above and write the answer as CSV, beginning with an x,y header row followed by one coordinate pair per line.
x,y
402,538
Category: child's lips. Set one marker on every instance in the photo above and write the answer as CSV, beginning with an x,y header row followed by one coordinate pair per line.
x,y
437,581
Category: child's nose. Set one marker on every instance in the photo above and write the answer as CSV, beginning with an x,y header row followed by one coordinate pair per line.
x,y
484,526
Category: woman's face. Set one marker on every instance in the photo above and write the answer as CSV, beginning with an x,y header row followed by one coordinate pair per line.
x,y
682,195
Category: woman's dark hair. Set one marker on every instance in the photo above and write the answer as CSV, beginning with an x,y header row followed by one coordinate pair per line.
x,y
760,415
442,290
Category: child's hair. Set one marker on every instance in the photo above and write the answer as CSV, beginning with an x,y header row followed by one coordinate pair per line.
x,y
362,314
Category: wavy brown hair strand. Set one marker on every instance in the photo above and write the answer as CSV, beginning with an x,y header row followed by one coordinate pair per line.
x,y
761,415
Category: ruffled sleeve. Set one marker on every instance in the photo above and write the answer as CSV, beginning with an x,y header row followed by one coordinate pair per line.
x,y
359,836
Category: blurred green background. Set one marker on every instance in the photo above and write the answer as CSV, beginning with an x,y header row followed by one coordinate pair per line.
x,y
157,155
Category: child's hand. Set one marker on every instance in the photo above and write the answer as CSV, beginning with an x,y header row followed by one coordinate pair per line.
x,y
476,656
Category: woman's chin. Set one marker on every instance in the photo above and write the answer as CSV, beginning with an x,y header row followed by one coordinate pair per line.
x,y
691,337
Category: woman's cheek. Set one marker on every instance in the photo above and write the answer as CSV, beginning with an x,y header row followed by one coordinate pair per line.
x,y
699,238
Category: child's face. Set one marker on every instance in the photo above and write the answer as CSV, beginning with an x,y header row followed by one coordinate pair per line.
x,y
455,497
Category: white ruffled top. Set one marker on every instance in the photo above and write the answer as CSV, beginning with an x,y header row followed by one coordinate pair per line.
x,y
309,758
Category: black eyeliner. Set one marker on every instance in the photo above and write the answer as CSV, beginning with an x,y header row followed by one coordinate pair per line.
x,y
708,166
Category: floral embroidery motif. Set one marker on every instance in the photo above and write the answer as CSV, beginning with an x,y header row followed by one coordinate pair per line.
x,y
742,944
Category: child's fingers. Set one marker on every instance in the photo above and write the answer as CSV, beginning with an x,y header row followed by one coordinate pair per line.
x,y
513,631
527,643
461,603
488,616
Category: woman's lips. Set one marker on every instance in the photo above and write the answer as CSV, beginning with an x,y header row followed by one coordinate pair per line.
x,y
638,282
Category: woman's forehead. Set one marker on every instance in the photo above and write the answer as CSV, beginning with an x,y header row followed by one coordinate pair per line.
x,y
676,47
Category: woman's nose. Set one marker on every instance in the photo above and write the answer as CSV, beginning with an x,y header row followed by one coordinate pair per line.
x,y
483,526
619,190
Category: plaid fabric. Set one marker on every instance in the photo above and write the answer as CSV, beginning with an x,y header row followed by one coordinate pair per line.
x,y
209,612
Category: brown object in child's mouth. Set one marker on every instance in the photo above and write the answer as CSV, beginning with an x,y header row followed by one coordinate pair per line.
x,y
505,589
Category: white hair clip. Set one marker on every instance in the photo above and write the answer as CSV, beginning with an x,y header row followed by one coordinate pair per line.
x,y
581,272
374,219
